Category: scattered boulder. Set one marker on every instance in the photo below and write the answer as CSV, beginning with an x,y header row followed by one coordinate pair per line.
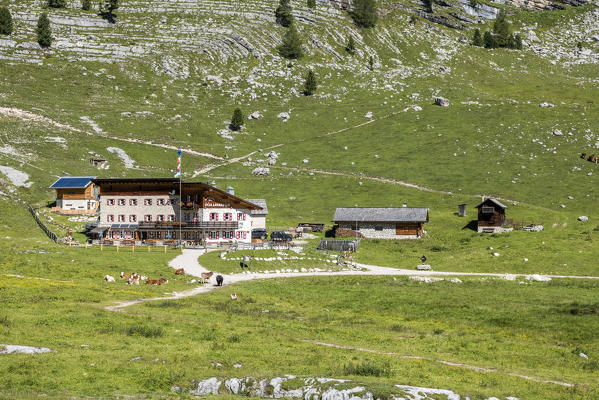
x,y
441,101
13,348
284,115
557,132
546,105
538,278
255,115
368,114
582,355
583,218
261,171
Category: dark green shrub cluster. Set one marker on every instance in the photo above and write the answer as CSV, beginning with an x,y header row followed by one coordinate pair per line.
x,y
500,37
367,368
145,331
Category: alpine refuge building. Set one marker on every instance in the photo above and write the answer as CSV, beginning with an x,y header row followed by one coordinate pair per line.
x,y
75,195
491,216
156,210
381,223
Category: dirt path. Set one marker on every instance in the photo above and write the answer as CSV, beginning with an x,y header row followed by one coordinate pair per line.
x,y
450,363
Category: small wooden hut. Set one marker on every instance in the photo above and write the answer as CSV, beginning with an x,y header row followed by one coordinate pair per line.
x,y
491,216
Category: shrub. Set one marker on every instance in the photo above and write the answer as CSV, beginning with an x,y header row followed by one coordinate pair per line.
x,y
237,120
44,32
292,44
310,83
367,368
489,40
4,321
364,13
145,331
371,63
311,3
86,5
5,21
428,4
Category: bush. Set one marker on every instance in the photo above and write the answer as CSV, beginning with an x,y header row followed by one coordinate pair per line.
x,y
43,30
489,40
5,21
145,331
477,39
4,321
311,3
351,45
86,5
367,368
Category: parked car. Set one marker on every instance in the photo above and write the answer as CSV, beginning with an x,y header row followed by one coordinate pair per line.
x,y
281,236
259,234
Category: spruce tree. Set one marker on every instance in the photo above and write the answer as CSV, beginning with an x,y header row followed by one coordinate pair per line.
x,y
311,3
310,83
351,45
371,63
57,3
5,21
283,13
489,40
292,44
44,32
237,120
109,7
501,30
86,5
477,39
364,13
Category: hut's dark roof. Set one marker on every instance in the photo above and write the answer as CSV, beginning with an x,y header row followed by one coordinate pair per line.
x,y
389,214
497,203
72,182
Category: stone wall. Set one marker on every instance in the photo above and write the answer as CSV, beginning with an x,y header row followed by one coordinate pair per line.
x,y
369,230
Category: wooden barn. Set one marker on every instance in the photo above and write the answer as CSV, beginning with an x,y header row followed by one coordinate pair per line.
x,y
381,223
76,195
491,216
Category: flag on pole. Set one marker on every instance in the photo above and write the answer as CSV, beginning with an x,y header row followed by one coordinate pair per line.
x,y
178,173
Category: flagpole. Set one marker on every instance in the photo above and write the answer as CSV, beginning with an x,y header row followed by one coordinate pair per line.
x,y
180,203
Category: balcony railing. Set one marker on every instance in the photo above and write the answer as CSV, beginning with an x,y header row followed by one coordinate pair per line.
x,y
190,225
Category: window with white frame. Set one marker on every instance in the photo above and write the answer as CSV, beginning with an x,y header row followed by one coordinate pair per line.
x,y
121,202
171,217
227,216
110,202
160,218
241,216
148,218
160,202
213,216
132,218
121,218
245,235
132,202
147,202
237,235
110,218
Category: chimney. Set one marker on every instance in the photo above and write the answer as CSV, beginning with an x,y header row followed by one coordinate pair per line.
x,y
404,205
230,190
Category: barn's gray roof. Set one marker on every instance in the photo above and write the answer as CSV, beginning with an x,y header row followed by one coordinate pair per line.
x,y
390,214
260,203
493,201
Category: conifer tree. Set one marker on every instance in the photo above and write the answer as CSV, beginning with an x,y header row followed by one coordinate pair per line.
x,y
5,21
292,44
57,3
108,9
364,13
283,13
44,32
351,45
237,120
86,5
371,63
428,4
310,83
489,40
311,3
477,39
501,30
518,40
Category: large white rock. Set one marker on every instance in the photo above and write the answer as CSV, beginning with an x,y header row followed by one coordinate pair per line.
x,y
583,218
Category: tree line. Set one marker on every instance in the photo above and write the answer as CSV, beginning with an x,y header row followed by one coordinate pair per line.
x,y
500,36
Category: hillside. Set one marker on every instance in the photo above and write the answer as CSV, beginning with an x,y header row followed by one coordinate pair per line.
x,y
168,75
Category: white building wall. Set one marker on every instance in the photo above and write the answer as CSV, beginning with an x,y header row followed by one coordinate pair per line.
x,y
139,210
368,229
75,204
258,221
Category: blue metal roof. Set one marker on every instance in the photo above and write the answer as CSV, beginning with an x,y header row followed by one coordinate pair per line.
x,y
72,182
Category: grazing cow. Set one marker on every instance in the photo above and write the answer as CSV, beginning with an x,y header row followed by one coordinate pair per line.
x,y
153,282
219,280
206,276
243,265
591,157
125,276
233,296
583,155
163,280
108,278
180,271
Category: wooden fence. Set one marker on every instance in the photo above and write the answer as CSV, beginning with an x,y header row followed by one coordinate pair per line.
x,y
46,230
